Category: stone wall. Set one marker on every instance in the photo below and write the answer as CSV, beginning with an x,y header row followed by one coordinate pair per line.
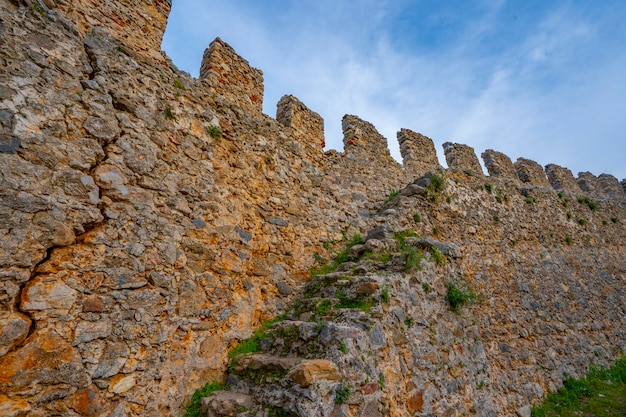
x,y
150,220
418,153
462,157
229,76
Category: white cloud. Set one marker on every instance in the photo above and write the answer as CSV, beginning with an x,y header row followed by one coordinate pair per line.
x,y
547,94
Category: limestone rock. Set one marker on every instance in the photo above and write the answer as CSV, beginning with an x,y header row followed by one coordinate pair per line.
x,y
268,363
57,363
13,331
226,404
312,371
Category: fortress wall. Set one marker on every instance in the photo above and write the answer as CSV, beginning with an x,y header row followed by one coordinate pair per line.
x,y
139,24
462,158
562,179
499,165
231,77
589,184
307,124
610,186
418,153
530,172
137,247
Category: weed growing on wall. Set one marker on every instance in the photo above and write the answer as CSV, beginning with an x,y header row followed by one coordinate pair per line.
x,y
459,294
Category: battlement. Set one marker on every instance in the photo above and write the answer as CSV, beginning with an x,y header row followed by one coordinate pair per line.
x,y
418,153
462,158
361,137
499,165
562,179
232,77
153,220
307,124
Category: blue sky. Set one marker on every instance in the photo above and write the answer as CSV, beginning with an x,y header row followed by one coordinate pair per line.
x,y
544,80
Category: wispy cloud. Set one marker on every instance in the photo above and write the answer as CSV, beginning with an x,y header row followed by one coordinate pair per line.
x,y
547,84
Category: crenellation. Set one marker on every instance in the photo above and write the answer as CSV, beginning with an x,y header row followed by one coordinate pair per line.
x,y
232,77
152,221
307,124
611,186
562,179
462,158
362,138
530,172
419,155
589,184
499,165
624,185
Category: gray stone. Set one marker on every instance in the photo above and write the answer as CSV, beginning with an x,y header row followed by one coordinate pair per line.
x,y
448,249
9,144
90,84
101,129
380,233
225,404
6,119
524,411
6,93
112,360
277,221
87,331
243,234
199,223
377,336
413,189
268,363
13,331
308,330
284,289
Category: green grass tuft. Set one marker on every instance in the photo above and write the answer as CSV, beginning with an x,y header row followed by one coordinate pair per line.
x,y
601,393
392,195
342,394
460,294
193,407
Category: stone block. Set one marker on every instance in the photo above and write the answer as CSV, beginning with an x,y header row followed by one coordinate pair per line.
x,y
418,153
308,125
462,158
562,179
311,371
530,172
498,164
232,77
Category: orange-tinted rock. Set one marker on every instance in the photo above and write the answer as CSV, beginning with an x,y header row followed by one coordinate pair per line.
x,y
45,359
13,407
88,402
415,402
308,372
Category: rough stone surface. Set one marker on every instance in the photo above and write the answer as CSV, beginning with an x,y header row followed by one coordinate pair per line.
x,y
13,331
312,371
149,221
418,153
462,158
226,404
307,124
499,165
230,76
610,186
530,172
589,184
562,179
